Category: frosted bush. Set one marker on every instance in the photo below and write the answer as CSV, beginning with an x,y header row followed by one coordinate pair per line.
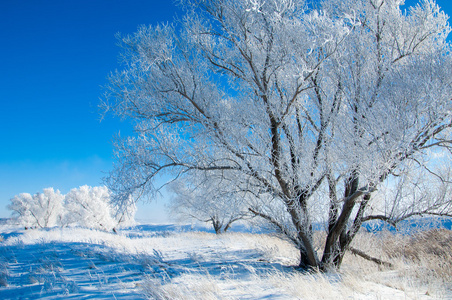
x,y
89,207
40,210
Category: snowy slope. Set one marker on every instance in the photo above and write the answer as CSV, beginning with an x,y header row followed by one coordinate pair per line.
x,y
164,262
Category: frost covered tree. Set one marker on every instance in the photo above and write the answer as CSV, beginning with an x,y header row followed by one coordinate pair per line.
x,y
91,207
208,199
40,210
310,108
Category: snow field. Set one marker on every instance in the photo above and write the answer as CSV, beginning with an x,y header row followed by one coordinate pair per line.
x,y
143,263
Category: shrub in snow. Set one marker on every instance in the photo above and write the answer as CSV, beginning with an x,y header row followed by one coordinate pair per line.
x,y
89,207
38,211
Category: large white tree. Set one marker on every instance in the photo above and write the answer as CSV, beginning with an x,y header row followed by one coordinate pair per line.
x,y
310,108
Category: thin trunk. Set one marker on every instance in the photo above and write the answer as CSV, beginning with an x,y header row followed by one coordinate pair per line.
x,y
228,225
347,238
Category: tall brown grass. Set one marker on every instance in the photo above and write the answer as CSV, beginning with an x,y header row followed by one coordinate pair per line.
x,y
421,262
429,251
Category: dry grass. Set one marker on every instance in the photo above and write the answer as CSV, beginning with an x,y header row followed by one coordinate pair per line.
x,y
431,249
422,269
427,255
422,263
186,288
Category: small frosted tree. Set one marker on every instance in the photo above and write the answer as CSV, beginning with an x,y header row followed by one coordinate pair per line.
x,y
208,199
40,210
90,207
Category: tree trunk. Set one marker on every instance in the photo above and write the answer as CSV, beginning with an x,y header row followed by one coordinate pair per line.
x,y
308,256
216,225
337,241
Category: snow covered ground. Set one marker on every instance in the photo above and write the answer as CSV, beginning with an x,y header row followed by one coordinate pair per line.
x,y
171,262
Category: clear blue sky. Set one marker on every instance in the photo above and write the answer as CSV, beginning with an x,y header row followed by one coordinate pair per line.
x,y
54,57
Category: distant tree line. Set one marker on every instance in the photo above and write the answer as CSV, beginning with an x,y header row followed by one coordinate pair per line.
x,y
85,206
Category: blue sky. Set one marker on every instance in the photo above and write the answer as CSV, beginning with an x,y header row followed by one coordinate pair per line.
x,y
54,57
